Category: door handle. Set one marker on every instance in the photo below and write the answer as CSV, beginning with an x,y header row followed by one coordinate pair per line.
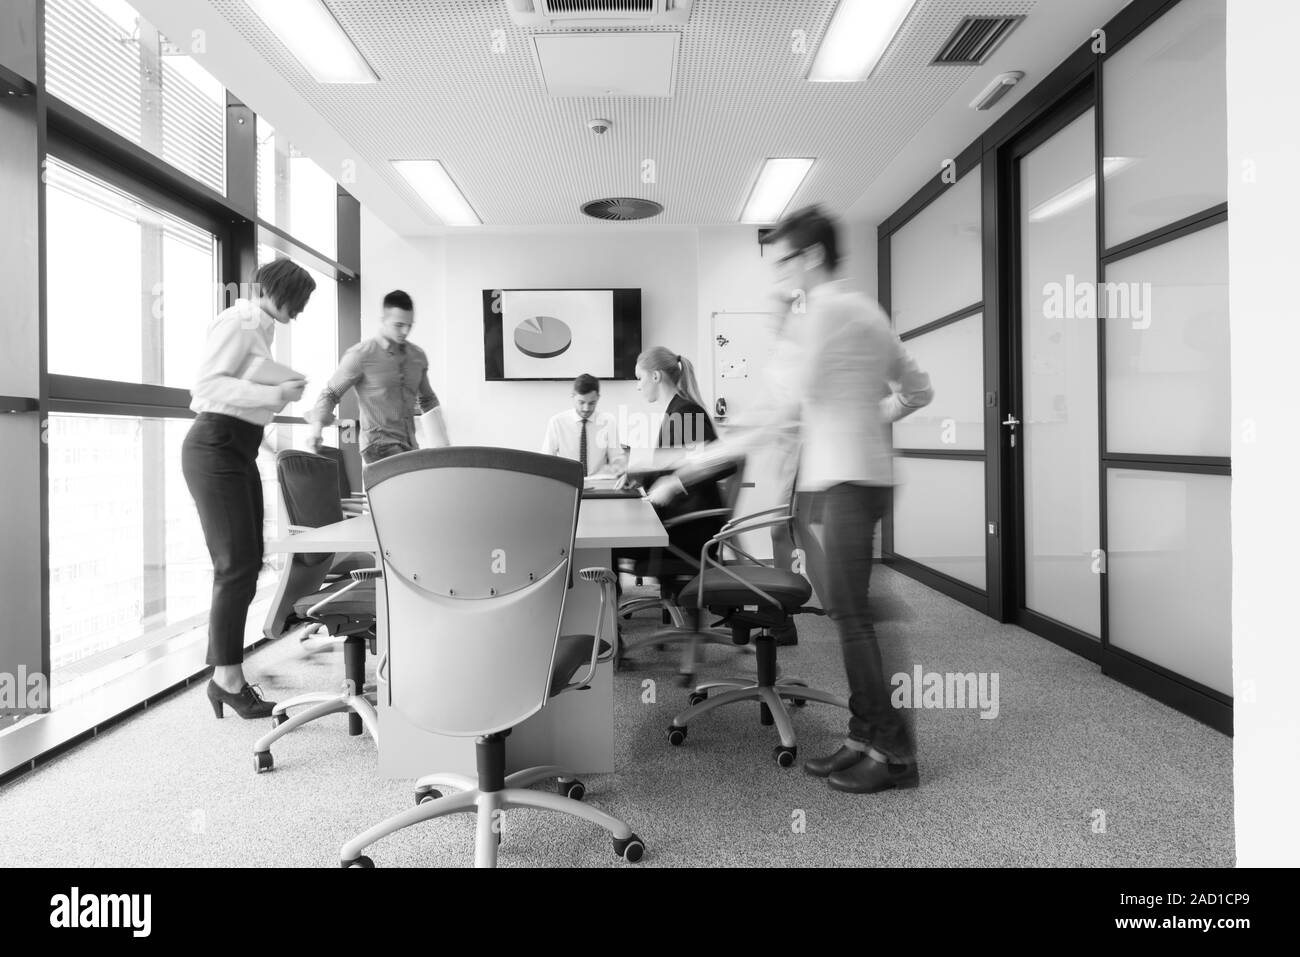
x,y
1012,422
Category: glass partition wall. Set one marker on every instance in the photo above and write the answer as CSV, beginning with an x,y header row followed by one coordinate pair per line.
x,y
1067,292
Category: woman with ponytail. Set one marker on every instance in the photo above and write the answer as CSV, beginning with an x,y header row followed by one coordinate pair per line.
x,y
664,375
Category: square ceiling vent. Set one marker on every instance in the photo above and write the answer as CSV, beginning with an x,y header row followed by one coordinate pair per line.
x,y
607,64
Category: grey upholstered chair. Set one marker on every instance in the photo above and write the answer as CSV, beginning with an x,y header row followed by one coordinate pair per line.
x,y
476,546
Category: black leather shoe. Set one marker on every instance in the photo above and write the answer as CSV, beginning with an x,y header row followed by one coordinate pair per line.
x,y
247,702
842,759
869,776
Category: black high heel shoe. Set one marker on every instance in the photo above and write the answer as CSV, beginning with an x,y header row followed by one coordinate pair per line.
x,y
247,702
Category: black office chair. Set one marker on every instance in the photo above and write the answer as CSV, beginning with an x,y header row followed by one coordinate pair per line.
x,y
751,595
317,591
309,485
673,568
346,610
352,503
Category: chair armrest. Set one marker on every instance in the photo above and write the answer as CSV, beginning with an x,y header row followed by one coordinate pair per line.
x,y
606,579
359,575
745,518
732,529
677,520
315,610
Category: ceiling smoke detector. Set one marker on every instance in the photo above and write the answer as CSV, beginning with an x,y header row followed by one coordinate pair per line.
x,y
599,127
622,209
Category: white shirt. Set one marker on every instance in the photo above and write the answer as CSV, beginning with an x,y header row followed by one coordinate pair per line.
x,y
237,335
604,448
852,378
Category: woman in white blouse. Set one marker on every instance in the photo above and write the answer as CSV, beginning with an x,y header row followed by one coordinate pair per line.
x,y
219,459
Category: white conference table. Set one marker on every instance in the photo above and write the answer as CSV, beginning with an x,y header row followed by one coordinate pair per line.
x,y
574,730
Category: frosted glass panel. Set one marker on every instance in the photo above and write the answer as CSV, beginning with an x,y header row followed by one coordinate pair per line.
x,y
935,260
939,515
954,357
1059,356
1167,362
1170,572
1166,121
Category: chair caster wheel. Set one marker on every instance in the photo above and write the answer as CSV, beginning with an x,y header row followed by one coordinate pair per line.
x,y
697,697
784,756
676,736
262,761
631,849
279,719
573,790
363,862
426,794
795,702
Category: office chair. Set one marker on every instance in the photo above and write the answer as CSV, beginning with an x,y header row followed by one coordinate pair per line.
x,y
352,503
476,545
309,485
311,595
346,610
749,594
674,568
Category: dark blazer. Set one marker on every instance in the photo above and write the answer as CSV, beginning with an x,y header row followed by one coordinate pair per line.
x,y
687,423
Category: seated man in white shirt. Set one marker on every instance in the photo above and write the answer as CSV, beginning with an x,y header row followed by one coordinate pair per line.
x,y
584,434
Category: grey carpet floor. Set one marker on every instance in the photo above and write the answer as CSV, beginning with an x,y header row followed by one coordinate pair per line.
x,y
1075,771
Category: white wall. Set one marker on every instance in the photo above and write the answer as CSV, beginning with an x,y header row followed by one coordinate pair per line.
x,y
662,264
684,274
1263,249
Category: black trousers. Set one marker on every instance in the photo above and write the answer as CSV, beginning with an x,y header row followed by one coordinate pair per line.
x,y
219,459
841,572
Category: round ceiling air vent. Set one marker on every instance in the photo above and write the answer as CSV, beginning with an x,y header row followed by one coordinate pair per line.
x,y
622,209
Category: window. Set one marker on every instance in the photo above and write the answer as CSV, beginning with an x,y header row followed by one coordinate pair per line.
x,y
128,564
131,290
294,194
109,63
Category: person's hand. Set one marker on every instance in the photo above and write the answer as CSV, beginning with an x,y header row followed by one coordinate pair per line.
x,y
624,481
314,441
292,390
665,490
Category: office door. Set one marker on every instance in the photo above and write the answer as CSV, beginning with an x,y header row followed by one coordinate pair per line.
x,y
1050,434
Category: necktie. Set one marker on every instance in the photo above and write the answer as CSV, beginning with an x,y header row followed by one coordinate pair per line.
x,y
582,447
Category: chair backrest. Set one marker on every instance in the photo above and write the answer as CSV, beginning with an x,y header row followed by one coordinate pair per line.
x,y
476,545
336,456
310,486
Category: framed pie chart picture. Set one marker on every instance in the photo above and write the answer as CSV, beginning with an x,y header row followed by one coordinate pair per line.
x,y
543,337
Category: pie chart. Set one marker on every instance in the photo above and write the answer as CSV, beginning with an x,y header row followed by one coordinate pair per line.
x,y
543,337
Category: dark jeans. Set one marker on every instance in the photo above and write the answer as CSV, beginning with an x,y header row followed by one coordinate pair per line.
x,y
381,450
219,459
841,572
